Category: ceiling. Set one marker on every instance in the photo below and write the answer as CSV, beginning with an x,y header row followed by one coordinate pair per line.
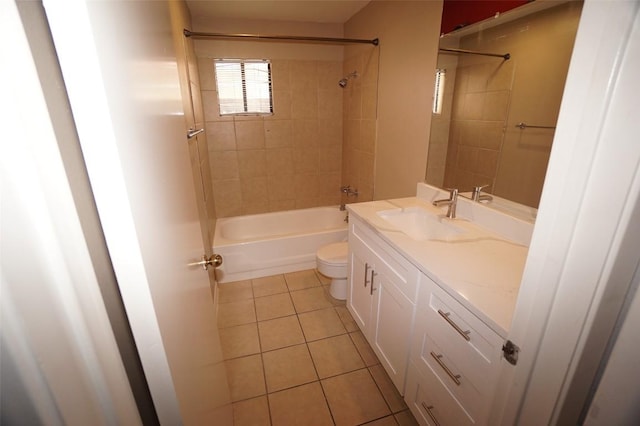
x,y
322,11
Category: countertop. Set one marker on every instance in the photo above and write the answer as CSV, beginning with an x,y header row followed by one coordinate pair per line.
x,y
479,268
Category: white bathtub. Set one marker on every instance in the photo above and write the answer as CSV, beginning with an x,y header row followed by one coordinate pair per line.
x,y
275,243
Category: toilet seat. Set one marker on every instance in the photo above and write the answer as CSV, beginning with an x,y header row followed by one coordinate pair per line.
x,y
334,254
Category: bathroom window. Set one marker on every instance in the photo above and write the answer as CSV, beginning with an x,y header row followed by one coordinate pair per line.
x,y
244,86
438,92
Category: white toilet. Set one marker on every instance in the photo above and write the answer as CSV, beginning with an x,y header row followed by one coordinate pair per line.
x,y
332,262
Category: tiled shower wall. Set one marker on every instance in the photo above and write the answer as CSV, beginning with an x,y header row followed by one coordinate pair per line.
x,y
290,160
360,112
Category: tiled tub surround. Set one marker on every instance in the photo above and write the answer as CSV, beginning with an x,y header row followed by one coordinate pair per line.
x,y
291,159
294,355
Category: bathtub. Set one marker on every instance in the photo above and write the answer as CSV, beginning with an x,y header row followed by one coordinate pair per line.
x,y
266,244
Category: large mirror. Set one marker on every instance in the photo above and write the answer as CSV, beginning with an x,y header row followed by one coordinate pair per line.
x,y
496,117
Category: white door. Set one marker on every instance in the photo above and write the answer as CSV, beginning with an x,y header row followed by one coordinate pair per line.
x,y
119,66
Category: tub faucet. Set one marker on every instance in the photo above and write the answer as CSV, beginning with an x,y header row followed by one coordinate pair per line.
x,y
450,202
477,195
347,190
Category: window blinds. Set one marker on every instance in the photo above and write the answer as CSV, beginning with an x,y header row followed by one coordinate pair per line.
x,y
244,86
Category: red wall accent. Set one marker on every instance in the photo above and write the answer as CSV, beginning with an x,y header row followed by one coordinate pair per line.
x,y
465,12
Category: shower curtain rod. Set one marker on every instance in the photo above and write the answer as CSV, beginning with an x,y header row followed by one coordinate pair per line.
x,y
506,56
188,33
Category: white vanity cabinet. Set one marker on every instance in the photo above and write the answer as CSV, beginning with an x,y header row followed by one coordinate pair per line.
x,y
381,298
454,361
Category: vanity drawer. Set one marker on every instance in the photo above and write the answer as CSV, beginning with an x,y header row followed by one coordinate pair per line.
x,y
460,334
430,401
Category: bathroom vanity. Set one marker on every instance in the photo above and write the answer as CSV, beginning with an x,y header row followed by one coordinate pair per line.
x,y
434,297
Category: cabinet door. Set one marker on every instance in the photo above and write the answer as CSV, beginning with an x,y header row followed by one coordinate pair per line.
x,y
359,298
392,328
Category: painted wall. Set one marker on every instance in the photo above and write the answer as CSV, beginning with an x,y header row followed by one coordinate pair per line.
x,y
408,33
291,159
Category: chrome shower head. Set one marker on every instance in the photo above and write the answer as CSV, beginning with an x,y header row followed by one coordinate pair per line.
x,y
343,82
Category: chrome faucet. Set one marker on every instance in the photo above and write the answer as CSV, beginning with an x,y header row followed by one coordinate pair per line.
x,y
477,195
450,202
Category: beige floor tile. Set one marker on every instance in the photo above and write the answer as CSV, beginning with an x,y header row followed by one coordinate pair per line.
x,y
288,367
385,421
388,389
235,291
346,318
354,398
246,377
236,313
406,418
267,286
364,349
302,405
274,306
335,355
320,324
251,412
302,279
311,299
240,340
280,332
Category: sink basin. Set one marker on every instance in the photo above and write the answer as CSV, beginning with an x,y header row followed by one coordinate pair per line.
x,y
419,224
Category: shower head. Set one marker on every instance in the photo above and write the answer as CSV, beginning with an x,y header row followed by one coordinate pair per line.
x,y
343,82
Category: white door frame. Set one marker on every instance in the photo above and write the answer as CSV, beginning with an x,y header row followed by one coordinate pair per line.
x,y
581,259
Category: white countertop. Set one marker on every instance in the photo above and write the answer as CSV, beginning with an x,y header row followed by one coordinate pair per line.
x,y
480,269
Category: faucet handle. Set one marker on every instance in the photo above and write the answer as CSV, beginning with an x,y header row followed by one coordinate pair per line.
x,y
453,193
477,190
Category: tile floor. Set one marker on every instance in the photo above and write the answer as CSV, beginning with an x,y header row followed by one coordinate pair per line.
x,y
294,356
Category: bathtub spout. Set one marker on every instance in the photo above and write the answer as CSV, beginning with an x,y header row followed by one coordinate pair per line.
x,y
342,207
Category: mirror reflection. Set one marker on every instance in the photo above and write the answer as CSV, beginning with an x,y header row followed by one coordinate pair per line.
x,y
494,118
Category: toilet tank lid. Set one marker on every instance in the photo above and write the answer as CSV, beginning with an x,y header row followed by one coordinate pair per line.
x,y
334,251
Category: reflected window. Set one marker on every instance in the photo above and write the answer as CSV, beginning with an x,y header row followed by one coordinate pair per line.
x,y
438,92
244,86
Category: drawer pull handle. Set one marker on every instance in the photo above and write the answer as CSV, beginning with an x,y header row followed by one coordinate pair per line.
x,y
366,271
454,377
428,410
463,333
373,274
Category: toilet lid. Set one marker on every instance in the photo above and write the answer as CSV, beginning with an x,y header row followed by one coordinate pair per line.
x,y
334,253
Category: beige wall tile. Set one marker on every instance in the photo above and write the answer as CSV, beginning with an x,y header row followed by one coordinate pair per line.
x,y
305,160
305,133
249,134
281,105
306,185
207,74
496,106
304,75
281,188
279,162
252,163
330,104
330,159
473,104
281,205
304,103
329,185
281,74
221,135
278,133
329,73
224,165
228,198
254,191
